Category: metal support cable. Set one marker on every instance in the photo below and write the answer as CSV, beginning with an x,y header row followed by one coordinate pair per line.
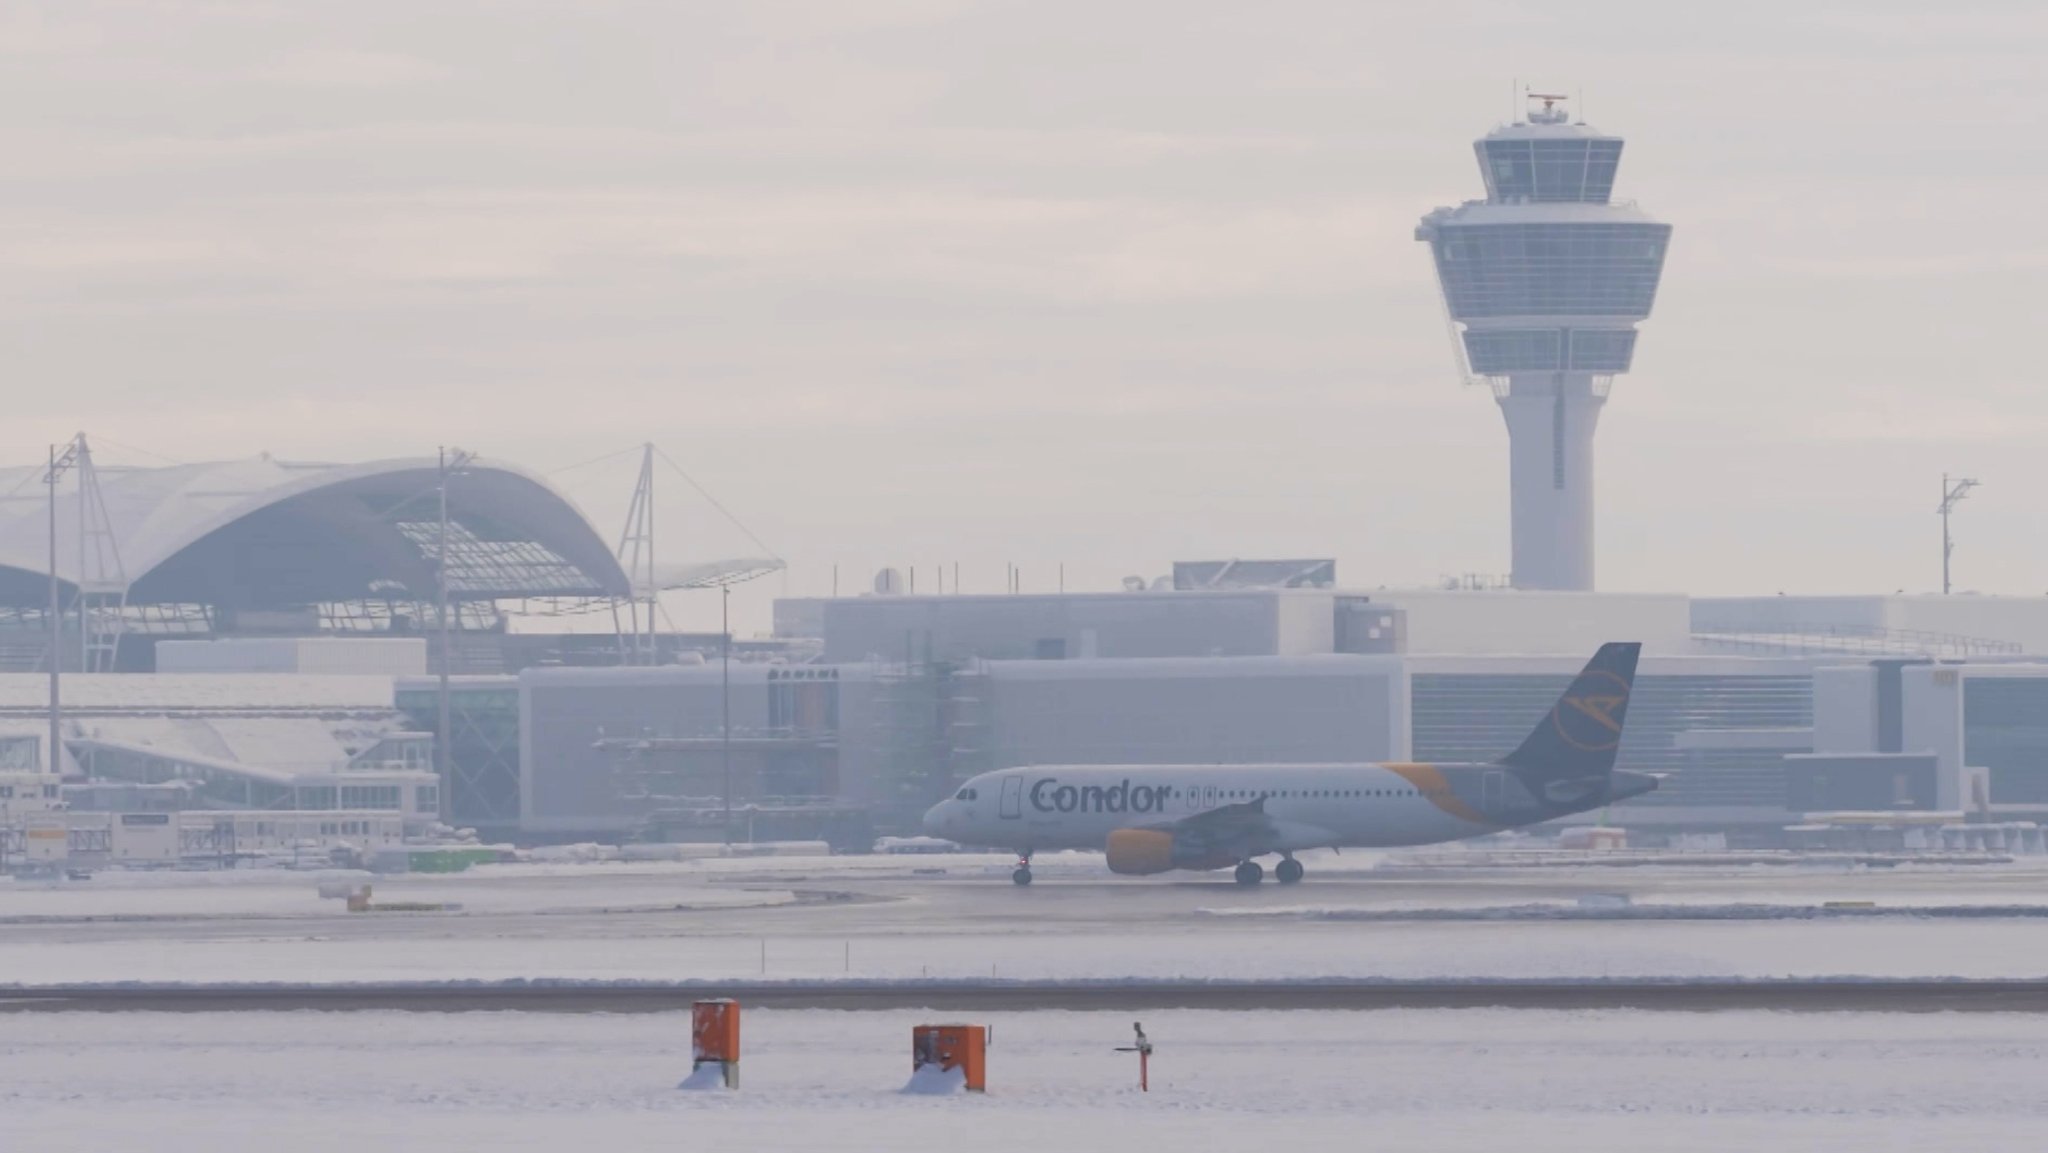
x,y
613,455
722,510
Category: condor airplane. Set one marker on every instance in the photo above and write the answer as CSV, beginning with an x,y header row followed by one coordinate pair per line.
x,y
1154,818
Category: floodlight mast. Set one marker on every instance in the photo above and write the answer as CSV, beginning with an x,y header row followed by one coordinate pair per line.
x,y
60,463
725,705
1952,494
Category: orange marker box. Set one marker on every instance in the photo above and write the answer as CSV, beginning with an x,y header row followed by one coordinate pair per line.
x,y
962,1047
715,1037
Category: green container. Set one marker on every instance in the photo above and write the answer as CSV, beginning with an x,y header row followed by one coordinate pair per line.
x,y
448,860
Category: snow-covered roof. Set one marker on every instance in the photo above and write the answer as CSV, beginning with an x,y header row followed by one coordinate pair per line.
x,y
210,693
265,533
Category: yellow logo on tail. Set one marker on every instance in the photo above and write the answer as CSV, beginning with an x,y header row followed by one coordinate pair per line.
x,y
1589,720
1600,708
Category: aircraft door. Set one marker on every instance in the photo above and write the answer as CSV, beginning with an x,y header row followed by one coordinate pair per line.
x,y
1493,793
1208,797
1013,799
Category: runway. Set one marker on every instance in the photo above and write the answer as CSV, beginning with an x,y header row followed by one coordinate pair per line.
x,y
1801,996
958,921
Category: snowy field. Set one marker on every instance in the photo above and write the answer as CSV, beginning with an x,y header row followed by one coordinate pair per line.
x,y
1462,1080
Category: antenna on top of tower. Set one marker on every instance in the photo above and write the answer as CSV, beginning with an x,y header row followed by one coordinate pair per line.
x,y
1551,113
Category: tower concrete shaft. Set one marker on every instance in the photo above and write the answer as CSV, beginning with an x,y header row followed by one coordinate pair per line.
x,y
1545,281
1551,418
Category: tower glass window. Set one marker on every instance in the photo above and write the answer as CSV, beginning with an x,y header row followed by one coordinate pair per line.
x,y
1579,170
1562,269
1602,160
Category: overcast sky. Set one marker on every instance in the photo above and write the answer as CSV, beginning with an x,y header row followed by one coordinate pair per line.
x,y
1105,284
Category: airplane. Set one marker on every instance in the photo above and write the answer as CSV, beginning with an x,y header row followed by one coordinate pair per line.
x,y
1156,818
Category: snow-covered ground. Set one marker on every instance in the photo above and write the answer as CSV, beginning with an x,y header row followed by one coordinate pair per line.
x,y
261,894
1468,1080
1425,951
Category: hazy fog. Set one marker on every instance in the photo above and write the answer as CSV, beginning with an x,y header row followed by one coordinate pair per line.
x,y
1109,284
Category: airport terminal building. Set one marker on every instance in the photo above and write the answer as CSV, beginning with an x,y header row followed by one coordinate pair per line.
x,y
1160,676
229,672
907,695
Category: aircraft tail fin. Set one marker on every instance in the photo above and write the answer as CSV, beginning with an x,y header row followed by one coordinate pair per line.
x,y
1578,739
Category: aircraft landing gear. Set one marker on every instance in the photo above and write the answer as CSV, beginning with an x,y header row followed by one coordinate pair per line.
x,y
1022,875
1288,871
1250,873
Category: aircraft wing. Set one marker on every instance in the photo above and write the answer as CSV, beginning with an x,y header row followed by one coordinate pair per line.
x,y
1241,831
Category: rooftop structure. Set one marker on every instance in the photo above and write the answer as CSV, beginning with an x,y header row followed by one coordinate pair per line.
x,y
270,545
1895,625
287,549
1546,280
1238,622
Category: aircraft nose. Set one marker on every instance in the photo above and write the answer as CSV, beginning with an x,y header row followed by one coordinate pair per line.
x,y
935,818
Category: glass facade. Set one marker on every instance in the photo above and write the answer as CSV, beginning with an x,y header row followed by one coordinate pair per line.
x,y
1499,352
2005,730
370,797
1550,171
486,560
21,754
803,701
1482,717
483,746
1550,269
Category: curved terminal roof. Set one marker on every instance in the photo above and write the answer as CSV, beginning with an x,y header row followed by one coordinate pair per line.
x,y
269,534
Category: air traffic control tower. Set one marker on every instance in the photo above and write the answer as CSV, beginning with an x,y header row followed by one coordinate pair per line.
x,y
1545,281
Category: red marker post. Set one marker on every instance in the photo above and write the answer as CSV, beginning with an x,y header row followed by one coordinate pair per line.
x,y
1143,1049
715,1039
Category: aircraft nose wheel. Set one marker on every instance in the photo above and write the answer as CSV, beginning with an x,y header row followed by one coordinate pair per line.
x,y
1288,871
1022,875
1250,873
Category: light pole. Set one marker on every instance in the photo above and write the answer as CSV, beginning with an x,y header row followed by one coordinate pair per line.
x,y
725,701
59,465
1952,494
452,460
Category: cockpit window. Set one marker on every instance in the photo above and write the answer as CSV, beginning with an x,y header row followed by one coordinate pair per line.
x,y
963,795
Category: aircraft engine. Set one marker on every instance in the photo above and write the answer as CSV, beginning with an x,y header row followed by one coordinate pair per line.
x,y
1140,851
1137,852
